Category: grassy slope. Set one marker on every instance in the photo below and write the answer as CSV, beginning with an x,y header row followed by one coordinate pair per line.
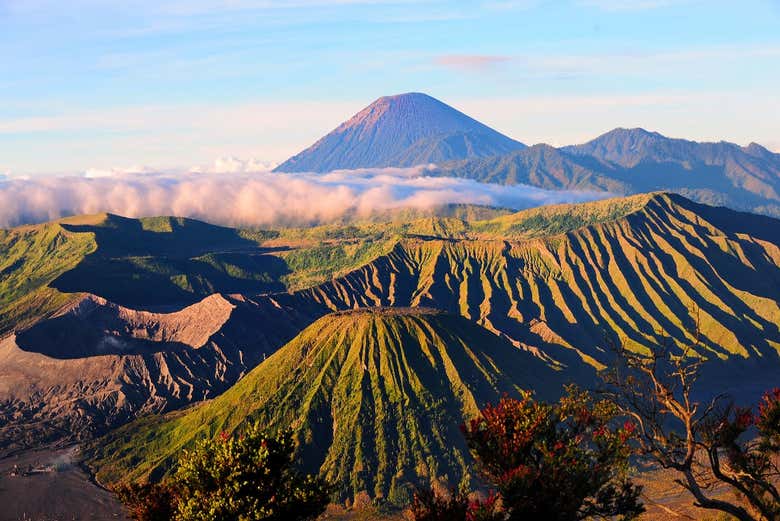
x,y
561,218
375,397
173,261
636,277
31,257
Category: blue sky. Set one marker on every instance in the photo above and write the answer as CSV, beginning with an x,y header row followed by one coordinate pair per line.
x,y
174,83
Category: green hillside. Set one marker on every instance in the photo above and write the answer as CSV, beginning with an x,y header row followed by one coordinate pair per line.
x,y
556,219
642,270
375,398
173,262
31,257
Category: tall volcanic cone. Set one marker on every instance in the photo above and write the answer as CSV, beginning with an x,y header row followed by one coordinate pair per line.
x,y
401,131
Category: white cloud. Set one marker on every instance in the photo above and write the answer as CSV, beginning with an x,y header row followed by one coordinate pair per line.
x,y
95,173
260,199
234,165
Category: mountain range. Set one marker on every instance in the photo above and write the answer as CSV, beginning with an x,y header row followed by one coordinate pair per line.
x,y
540,292
415,129
374,339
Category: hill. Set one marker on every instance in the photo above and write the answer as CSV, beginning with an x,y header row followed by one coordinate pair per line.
x,y
375,398
31,258
632,161
404,130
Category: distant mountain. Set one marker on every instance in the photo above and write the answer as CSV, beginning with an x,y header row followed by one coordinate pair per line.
x,y
375,398
631,161
539,165
630,147
745,178
400,131
416,129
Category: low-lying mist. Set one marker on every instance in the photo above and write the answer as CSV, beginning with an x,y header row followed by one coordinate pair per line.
x,y
258,199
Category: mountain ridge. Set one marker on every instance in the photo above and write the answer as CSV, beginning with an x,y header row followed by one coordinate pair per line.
x,y
553,281
631,161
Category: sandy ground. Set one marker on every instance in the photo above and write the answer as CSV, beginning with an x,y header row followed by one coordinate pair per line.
x,y
64,493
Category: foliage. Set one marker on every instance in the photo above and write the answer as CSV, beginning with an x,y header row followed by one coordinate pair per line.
x,y
246,477
561,461
428,505
148,501
707,443
243,477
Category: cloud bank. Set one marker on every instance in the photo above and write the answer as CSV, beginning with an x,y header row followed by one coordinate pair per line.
x,y
257,199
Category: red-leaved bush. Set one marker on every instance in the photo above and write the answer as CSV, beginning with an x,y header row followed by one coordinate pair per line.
x,y
560,461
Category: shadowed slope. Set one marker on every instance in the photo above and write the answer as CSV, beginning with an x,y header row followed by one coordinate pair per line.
x,y
624,268
170,261
95,365
375,398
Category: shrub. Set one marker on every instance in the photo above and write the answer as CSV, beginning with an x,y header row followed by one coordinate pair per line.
x,y
563,461
244,477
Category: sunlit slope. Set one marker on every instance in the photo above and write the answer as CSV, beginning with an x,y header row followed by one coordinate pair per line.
x,y
175,262
638,274
31,257
375,398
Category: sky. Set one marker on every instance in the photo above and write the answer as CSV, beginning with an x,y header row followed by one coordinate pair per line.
x,y
90,84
